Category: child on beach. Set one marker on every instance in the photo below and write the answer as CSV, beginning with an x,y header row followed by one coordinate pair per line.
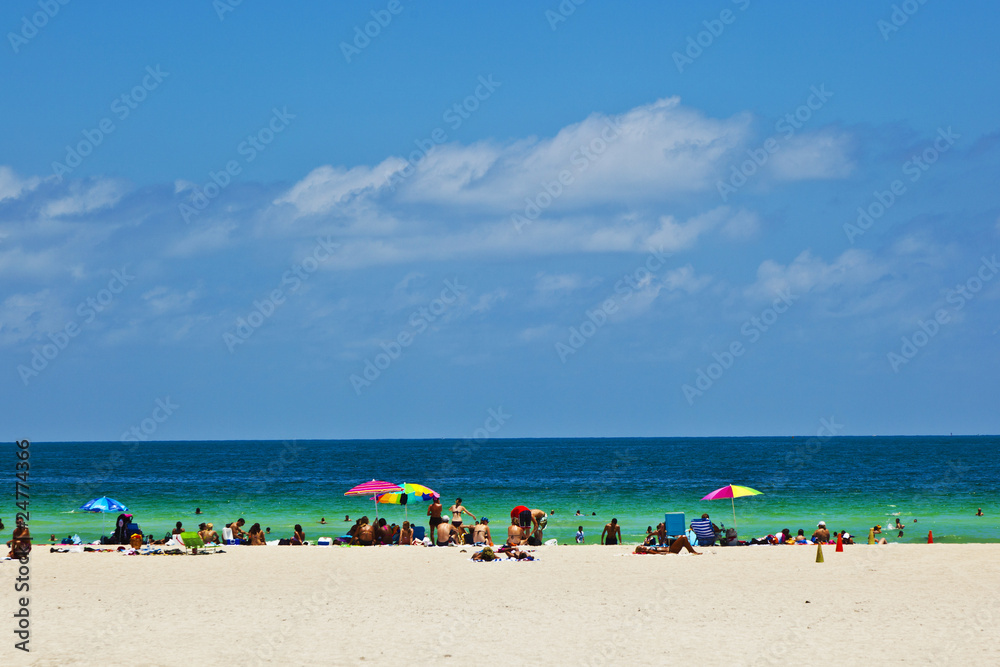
x,y
579,534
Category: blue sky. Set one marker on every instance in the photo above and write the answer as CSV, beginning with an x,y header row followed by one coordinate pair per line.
x,y
632,219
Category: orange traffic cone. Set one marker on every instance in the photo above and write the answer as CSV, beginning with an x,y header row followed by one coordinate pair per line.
x,y
930,537
819,553
840,542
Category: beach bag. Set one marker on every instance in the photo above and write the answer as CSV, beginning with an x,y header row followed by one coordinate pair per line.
x,y
135,540
534,541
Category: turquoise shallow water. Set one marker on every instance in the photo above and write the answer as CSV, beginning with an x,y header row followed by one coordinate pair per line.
x,y
851,482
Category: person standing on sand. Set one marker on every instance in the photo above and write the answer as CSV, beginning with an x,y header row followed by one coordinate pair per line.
x,y
612,533
457,510
434,512
579,535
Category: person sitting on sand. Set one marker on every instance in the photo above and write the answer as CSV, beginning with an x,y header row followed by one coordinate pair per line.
x,y
801,538
785,536
178,529
365,535
446,533
237,528
674,548
612,533
434,512
650,539
210,535
299,536
821,534
661,533
706,531
406,534
515,533
257,536
481,533
20,543
845,538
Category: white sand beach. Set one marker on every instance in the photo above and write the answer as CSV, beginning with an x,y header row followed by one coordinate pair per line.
x,y
575,605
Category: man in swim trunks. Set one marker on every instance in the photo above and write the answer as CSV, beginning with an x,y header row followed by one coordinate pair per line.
x,y
456,515
434,512
613,532
237,528
445,533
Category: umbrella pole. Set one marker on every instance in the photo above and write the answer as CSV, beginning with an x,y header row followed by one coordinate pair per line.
x,y
734,512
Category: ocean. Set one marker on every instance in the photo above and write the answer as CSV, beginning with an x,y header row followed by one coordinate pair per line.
x,y
930,483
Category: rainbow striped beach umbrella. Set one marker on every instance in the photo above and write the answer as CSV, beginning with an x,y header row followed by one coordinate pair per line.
x,y
374,488
412,491
732,491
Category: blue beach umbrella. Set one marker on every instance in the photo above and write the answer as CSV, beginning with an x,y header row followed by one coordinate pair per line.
x,y
103,505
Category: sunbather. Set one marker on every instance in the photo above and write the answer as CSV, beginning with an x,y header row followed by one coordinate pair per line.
x,y
20,543
299,536
674,548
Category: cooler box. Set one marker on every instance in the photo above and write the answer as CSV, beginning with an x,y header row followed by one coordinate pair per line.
x,y
674,522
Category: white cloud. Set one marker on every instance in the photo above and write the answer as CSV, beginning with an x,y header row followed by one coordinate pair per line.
x,y
327,187
814,155
85,197
12,187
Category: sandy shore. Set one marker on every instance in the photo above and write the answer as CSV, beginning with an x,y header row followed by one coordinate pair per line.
x,y
575,605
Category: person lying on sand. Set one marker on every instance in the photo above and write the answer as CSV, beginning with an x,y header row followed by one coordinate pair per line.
x,y
675,548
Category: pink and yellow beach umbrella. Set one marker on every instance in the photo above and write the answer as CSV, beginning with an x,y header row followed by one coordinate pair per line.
x,y
732,491
374,488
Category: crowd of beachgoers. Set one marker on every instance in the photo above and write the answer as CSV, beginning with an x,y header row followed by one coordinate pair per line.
x,y
526,528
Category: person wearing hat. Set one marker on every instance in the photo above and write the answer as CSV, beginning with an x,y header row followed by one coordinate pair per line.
x,y
821,534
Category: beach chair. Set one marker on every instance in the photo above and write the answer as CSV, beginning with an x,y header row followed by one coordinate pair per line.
x,y
192,542
418,533
703,529
674,523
